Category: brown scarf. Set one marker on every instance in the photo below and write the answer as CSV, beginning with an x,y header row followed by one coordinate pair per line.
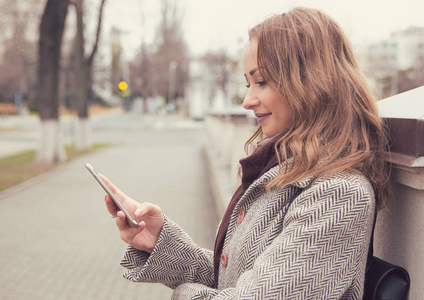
x,y
253,166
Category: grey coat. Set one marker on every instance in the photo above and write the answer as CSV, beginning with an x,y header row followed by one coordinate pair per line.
x,y
313,246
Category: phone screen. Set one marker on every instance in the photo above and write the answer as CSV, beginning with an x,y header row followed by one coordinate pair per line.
x,y
115,199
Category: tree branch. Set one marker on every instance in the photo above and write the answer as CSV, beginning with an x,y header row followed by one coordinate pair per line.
x,y
99,25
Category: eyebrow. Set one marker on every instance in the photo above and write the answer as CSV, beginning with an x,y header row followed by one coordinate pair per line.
x,y
253,71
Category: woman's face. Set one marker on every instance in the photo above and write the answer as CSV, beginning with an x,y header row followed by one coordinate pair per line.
x,y
273,113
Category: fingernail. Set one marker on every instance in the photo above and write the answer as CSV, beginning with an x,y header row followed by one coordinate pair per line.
x,y
138,212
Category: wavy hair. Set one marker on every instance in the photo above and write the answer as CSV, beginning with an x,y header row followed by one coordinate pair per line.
x,y
306,58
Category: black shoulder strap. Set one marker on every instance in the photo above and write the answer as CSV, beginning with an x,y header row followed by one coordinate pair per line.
x,y
371,247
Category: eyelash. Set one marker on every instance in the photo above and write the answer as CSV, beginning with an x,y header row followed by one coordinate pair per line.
x,y
260,83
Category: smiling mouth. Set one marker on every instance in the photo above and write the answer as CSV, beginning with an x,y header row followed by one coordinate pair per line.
x,y
262,117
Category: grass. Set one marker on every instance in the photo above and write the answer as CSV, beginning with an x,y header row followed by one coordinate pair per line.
x,y
20,167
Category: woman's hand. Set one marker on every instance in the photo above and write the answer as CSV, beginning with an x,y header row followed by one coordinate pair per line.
x,y
149,216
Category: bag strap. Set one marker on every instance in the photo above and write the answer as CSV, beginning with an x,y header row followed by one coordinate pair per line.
x,y
371,247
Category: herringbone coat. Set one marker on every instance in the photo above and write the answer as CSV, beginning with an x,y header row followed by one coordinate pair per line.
x,y
313,246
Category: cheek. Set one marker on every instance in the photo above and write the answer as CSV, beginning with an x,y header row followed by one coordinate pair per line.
x,y
286,114
289,114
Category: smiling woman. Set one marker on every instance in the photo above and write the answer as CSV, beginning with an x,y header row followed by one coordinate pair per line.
x,y
299,224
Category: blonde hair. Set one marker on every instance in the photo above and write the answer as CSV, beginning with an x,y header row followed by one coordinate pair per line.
x,y
307,59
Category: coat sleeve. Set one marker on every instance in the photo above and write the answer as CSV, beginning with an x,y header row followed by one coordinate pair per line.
x,y
175,259
320,253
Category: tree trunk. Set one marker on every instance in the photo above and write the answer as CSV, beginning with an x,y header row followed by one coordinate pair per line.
x,y
83,68
81,136
51,149
51,31
81,64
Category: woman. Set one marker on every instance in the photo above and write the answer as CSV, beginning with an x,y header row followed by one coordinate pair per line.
x,y
299,225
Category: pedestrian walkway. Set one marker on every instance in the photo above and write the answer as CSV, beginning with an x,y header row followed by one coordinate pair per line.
x,y
59,242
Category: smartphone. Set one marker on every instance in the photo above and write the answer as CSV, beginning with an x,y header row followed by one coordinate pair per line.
x,y
115,199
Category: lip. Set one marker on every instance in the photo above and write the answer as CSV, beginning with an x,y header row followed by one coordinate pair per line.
x,y
262,117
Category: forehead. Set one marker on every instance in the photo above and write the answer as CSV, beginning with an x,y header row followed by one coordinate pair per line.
x,y
250,55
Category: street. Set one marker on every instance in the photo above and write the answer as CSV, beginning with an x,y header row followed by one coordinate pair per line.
x,y
59,242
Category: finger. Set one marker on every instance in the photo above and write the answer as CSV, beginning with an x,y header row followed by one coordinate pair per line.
x,y
111,206
139,212
111,186
121,221
126,231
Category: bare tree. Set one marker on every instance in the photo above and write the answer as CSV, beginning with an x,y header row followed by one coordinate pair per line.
x,y
142,73
18,51
171,55
161,68
83,70
51,32
221,67
116,66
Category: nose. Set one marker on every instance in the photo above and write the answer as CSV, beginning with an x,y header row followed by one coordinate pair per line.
x,y
250,100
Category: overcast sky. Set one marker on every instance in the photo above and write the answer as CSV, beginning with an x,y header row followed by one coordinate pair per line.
x,y
215,24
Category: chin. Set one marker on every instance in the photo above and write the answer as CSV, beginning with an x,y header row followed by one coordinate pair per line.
x,y
271,133
268,134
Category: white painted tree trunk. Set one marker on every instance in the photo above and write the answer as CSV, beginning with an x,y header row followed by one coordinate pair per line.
x,y
82,134
51,148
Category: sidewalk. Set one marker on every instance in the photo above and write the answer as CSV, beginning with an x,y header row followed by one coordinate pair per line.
x,y
59,242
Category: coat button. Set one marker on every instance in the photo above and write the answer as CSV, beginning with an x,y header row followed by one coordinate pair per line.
x,y
241,215
224,259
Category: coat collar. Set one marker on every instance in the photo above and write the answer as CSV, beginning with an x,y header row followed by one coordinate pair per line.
x,y
273,173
